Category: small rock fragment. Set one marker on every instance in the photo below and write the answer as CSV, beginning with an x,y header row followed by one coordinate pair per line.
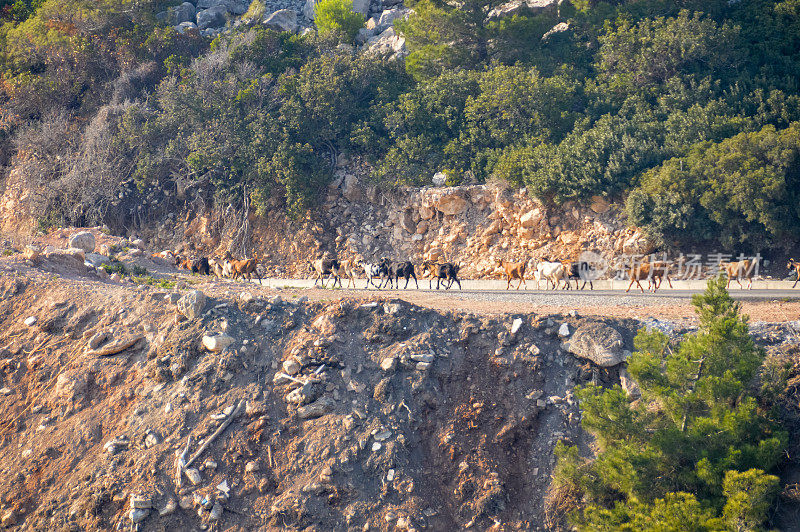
x,y
216,512
194,476
217,343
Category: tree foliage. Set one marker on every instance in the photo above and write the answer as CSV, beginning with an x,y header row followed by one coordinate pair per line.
x,y
696,451
624,98
742,190
337,18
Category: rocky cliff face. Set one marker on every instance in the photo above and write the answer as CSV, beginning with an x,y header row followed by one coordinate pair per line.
x,y
473,226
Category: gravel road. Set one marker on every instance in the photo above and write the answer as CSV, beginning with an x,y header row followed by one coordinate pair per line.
x,y
774,304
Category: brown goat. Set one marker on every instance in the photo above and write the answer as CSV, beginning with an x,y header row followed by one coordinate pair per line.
x,y
654,272
794,266
348,268
742,269
242,268
514,270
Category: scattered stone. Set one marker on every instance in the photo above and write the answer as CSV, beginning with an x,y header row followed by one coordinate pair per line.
x,y
30,321
194,476
97,339
318,408
83,240
216,512
516,325
169,508
137,515
251,467
382,435
563,330
31,253
117,346
291,367
217,343
120,443
5,390
151,440
597,342
389,364
141,502
9,518
192,304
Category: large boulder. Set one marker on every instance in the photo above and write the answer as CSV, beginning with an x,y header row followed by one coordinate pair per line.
x,y
192,304
638,244
361,7
309,8
407,221
530,218
388,43
351,188
96,259
599,204
282,20
185,27
597,342
235,7
516,6
561,27
212,18
451,204
73,259
507,10
388,17
426,212
83,240
184,13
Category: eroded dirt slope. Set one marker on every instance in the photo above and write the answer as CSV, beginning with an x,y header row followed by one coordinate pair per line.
x,y
355,412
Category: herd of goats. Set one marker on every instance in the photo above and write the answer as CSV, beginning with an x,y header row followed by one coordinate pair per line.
x,y
387,273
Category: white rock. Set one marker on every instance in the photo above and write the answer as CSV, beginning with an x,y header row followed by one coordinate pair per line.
x,y
194,476
192,304
389,364
30,320
282,20
83,240
563,331
137,515
217,343
515,326
291,366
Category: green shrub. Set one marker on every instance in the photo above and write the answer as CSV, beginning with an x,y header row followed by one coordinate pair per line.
x,y
692,453
337,18
742,191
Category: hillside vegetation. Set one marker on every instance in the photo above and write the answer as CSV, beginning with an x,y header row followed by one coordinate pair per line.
x,y
686,109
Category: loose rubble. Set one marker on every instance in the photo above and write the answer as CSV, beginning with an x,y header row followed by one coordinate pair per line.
x,y
356,413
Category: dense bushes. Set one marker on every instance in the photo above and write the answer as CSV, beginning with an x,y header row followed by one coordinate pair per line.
x,y
337,18
607,106
696,451
743,191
